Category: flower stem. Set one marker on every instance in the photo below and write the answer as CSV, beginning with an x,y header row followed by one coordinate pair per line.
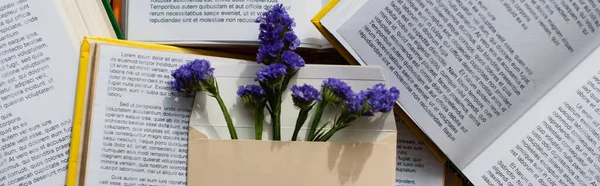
x,y
320,132
259,118
327,135
315,123
276,118
336,127
302,115
230,126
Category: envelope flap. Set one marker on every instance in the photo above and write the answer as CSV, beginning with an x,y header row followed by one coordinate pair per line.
x,y
194,135
271,163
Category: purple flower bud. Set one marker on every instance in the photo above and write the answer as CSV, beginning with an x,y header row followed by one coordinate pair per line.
x,y
293,40
201,69
380,99
303,96
252,95
250,90
190,77
269,50
271,72
335,90
355,102
292,60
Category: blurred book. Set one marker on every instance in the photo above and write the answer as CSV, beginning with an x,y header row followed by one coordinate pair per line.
x,y
116,7
213,23
39,52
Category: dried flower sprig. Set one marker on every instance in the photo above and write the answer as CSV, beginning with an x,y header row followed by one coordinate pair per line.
x,y
254,96
304,98
365,103
197,76
277,42
276,34
333,91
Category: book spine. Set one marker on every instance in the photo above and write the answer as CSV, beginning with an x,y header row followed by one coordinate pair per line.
x,y
113,19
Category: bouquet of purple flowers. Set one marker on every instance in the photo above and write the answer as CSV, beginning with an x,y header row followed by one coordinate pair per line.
x,y
277,45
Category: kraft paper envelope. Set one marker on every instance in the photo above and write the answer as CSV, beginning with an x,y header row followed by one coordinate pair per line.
x,y
362,154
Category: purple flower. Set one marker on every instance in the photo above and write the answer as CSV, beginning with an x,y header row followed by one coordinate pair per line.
x,y
177,86
250,90
379,99
276,32
271,72
193,76
293,40
182,76
355,102
252,95
335,90
292,60
269,50
276,15
201,69
304,96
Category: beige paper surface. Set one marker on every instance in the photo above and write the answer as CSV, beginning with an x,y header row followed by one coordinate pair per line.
x,y
274,163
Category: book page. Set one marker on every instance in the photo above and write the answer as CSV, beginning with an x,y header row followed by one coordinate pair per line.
x,y
416,165
556,143
139,124
38,72
469,69
214,21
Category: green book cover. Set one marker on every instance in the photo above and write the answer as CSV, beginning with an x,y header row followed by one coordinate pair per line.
x,y
113,20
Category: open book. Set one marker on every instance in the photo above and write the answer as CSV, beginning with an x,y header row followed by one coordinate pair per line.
x,y
507,90
213,23
129,125
39,55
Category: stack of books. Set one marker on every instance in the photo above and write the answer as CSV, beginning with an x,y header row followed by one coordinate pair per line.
x,y
491,93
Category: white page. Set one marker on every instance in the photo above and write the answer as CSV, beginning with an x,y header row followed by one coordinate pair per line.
x,y
337,16
136,151
556,141
459,97
416,165
171,22
38,72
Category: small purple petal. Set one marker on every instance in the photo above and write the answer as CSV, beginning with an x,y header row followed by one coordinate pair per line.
x,y
380,99
339,87
292,60
270,72
188,76
293,40
304,95
355,102
250,90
